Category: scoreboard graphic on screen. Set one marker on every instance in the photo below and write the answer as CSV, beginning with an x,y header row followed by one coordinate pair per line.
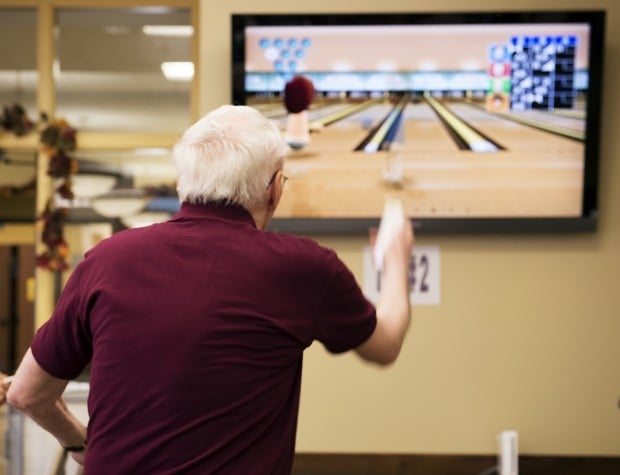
x,y
542,72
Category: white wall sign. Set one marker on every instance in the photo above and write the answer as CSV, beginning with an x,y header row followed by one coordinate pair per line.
x,y
424,276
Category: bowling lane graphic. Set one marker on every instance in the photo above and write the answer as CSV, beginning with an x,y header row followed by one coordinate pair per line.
x,y
458,155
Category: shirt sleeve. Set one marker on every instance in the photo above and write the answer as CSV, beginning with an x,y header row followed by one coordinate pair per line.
x,y
63,346
346,318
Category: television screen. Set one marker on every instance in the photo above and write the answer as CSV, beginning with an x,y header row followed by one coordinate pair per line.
x,y
476,121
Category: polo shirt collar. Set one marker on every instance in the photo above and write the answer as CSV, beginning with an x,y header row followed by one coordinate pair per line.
x,y
214,210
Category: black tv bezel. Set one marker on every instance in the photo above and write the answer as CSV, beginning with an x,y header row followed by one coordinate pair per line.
x,y
585,223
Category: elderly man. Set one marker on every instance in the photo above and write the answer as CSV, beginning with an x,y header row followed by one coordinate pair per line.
x,y
194,329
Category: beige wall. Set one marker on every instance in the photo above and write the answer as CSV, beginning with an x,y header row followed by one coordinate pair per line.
x,y
527,336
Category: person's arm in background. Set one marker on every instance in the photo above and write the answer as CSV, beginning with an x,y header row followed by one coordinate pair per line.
x,y
393,307
39,396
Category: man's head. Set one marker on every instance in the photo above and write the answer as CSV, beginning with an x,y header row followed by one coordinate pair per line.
x,y
229,155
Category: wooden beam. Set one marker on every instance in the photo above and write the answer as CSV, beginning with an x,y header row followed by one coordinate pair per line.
x,y
15,234
124,141
44,279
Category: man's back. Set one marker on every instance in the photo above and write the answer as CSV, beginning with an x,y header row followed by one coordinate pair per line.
x,y
198,327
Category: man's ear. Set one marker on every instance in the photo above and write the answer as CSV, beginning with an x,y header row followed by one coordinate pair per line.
x,y
275,192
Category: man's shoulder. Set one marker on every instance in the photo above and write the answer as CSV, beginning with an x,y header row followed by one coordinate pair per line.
x,y
123,240
296,243
299,249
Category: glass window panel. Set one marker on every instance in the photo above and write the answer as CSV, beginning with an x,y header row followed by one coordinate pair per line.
x,y
109,71
18,59
129,187
148,167
17,185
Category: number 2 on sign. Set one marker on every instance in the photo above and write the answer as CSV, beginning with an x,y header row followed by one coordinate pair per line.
x,y
424,277
418,274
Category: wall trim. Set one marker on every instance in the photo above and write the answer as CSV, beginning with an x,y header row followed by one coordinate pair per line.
x,y
440,464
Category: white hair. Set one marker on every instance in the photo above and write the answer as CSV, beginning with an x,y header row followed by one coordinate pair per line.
x,y
229,155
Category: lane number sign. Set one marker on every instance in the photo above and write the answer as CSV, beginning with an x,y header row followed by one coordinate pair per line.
x,y
424,276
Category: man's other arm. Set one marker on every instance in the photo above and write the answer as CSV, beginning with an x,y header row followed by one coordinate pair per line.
x,y
393,307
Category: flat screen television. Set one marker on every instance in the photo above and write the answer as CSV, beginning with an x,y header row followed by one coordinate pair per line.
x,y
478,122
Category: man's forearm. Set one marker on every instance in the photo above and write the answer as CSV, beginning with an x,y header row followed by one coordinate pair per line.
x,y
393,305
39,395
57,419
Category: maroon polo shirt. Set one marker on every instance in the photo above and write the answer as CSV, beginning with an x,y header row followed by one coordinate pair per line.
x,y
195,330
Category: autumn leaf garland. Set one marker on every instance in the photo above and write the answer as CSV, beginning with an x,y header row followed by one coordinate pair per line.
x,y
57,140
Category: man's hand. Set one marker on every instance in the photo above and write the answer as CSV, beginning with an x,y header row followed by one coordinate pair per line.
x,y
78,456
